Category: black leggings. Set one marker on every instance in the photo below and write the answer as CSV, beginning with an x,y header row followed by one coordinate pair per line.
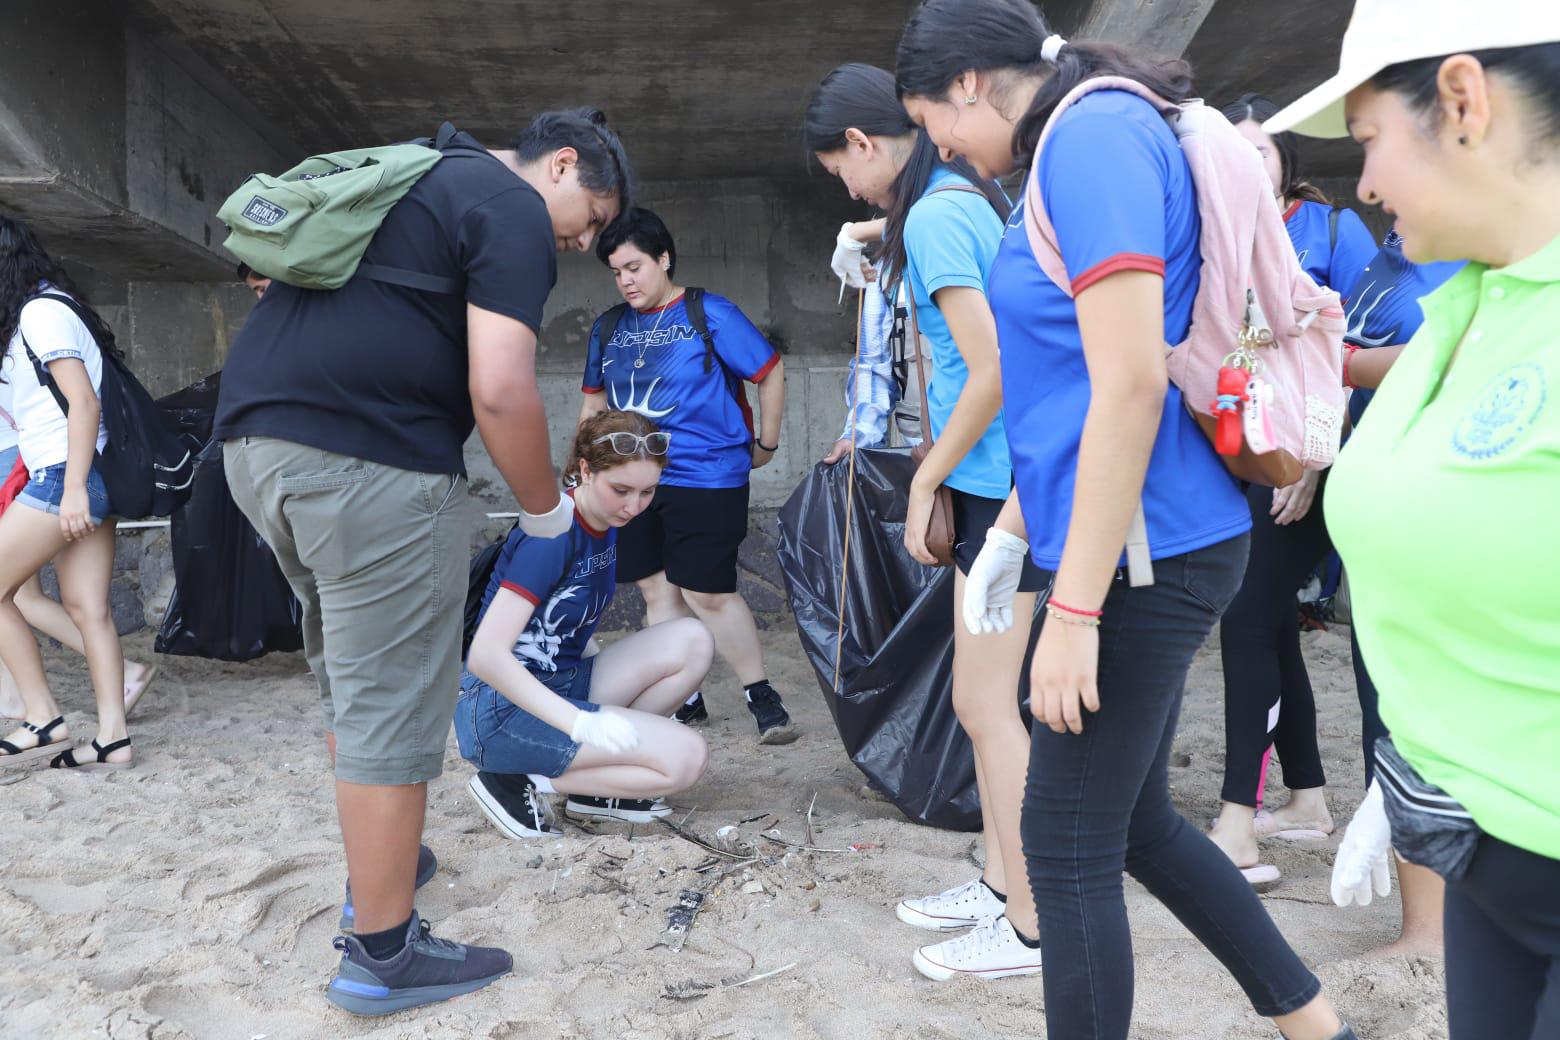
x,y
1503,946
1267,692
1371,725
1098,803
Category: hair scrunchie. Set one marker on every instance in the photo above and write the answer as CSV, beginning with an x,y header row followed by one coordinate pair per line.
x,y
1051,48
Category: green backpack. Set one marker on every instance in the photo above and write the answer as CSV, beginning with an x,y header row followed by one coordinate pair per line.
x,y
309,226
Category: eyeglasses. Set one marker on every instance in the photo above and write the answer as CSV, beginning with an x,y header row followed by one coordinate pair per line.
x,y
630,444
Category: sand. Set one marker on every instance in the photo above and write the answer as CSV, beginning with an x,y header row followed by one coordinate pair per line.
x,y
196,896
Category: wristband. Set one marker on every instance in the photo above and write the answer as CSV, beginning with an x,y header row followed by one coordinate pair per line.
x,y
766,447
1071,619
1059,605
1348,355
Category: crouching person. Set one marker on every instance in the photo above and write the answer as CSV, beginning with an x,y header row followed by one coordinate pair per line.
x,y
536,713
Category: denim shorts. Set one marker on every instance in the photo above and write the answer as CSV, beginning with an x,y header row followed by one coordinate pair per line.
x,y
46,488
496,736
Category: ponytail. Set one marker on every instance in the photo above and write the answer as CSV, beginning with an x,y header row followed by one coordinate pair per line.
x,y
946,38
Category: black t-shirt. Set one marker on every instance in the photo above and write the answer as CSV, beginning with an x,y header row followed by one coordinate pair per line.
x,y
379,371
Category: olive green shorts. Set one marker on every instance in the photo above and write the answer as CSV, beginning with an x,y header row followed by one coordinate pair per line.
x,y
378,558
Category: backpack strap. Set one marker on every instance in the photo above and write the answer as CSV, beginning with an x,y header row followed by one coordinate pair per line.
x,y
610,322
433,283
693,301
45,377
1332,231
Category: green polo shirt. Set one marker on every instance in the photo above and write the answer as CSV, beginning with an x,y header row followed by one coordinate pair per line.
x,y
1446,507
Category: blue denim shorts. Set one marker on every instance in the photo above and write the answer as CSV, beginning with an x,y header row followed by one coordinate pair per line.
x,y
46,488
497,737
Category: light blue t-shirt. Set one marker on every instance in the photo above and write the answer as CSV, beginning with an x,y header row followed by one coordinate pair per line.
x,y
951,239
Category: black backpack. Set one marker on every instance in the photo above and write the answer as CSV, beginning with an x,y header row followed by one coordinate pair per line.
x,y
477,580
146,466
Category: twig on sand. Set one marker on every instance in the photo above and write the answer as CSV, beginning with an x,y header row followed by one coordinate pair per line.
x,y
686,815
810,805
798,845
732,850
696,988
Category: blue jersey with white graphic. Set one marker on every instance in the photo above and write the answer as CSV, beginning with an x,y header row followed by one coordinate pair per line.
x,y
569,579
655,366
1120,196
1383,304
1336,265
951,239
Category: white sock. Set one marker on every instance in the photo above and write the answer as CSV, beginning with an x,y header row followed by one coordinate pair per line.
x,y
543,784
695,695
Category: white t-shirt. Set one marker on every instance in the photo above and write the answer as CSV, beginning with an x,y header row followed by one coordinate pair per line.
x,y
54,332
7,419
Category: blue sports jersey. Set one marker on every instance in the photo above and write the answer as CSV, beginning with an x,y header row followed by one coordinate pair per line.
x,y
655,366
1334,265
1120,195
569,579
1383,306
951,239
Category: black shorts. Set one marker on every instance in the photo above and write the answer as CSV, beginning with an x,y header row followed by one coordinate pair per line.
x,y
973,515
690,533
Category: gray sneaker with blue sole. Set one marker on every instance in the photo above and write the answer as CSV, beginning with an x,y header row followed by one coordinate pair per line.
x,y
426,971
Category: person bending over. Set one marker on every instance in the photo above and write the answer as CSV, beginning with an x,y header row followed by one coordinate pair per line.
x,y
533,704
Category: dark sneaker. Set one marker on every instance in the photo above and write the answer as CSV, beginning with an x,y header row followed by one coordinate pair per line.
x,y
427,866
693,712
628,810
513,805
774,724
426,971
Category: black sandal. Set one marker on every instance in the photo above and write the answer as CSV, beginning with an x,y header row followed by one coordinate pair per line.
x,y
12,755
67,759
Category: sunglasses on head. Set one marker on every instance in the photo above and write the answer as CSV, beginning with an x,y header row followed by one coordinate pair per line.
x,y
625,443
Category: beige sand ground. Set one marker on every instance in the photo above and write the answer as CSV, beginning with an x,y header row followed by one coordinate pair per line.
x,y
196,896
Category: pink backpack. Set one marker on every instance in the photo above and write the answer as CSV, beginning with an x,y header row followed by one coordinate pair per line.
x,y
1271,397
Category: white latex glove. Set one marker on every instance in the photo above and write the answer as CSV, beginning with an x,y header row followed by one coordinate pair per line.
x,y
992,582
605,729
846,262
1361,866
552,523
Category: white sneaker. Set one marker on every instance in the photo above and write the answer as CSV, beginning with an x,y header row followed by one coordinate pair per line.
x,y
991,951
961,907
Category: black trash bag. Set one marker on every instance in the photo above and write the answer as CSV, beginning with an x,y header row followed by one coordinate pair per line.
x,y
230,601
894,705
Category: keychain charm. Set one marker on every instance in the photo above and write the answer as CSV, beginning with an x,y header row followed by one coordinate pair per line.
x,y
1234,392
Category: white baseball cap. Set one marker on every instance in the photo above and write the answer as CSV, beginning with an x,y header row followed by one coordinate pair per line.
x,y
1387,32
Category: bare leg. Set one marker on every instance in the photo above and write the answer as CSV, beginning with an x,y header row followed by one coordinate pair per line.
x,y
11,704
670,758
86,568
663,600
986,671
29,538
653,670
381,828
1316,1021
54,621
995,872
730,621
1234,834
1424,894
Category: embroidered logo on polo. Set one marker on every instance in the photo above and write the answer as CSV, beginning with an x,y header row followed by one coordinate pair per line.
x,y
1505,411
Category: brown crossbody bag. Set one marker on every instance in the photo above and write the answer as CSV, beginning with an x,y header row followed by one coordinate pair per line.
x,y
939,527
